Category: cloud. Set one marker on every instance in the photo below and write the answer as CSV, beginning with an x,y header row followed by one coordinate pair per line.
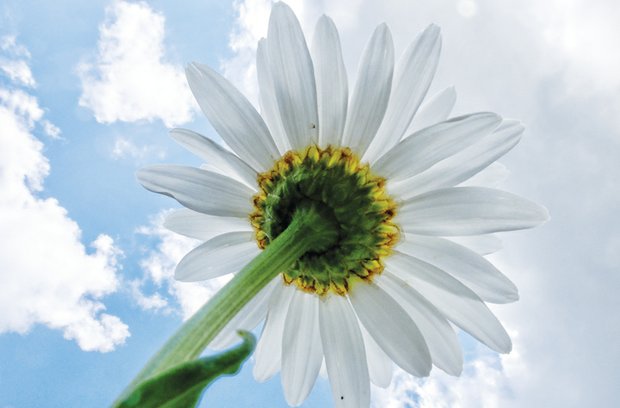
x,y
250,26
130,78
483,383
14,61
467,8
50,129
47,276
124,147
151,302
159,265
584,35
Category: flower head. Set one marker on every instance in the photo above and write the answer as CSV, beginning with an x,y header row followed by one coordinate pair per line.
x,y
393,176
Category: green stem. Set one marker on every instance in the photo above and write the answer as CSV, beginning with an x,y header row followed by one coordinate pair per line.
x,y
310,229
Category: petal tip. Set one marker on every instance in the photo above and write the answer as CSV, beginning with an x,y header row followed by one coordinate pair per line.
x,y
509,296
144,175
506,348
183,274
177,133
281,9
324,19
191,66
496,117
382,33
382,28
426,371
192,73
502,343
540,215
292,400
433,29
179,276
170,219
259,372
450,93
545,214
454,371
510,292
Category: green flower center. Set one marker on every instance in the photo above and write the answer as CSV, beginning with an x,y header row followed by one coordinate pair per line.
x,y
335,182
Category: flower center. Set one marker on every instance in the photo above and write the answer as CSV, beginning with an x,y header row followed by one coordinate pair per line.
x,y
333,180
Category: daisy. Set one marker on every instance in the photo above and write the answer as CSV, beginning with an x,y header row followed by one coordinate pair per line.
x,y
397,182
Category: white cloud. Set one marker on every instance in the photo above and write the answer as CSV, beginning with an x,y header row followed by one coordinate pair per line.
x,y
17,71
482,384
47,276
14,61
22,104
130,79
124,147
584,34
249,28
467,8
151,302
50,129
159,265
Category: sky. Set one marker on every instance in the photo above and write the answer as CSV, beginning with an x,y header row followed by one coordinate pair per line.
x,y
89,90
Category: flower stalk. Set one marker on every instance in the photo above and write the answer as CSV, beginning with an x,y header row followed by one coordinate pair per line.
x,y
311,228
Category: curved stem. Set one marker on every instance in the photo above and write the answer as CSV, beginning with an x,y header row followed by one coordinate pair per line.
x,y
309,229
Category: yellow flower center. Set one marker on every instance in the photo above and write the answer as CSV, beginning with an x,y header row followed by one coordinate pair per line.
x,y
334,180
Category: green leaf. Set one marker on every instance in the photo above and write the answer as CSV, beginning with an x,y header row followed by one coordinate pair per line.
x,y
182,385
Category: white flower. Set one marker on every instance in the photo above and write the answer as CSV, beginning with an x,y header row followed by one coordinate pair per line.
x,y
396,175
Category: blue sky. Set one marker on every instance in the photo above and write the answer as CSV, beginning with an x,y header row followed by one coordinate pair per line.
x,y
88,91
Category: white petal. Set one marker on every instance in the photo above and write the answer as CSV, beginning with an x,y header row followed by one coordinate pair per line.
x,y
199,190
293,77
268,101
269,348
204,227
247,319
482,244
473,270
492,176
302,353
233,117
412,79
331,82
391,327
463,165
371,93
213,169
226,253
468,211
438,333
216,155
345,356
380,366
452,298
435,110
421,150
